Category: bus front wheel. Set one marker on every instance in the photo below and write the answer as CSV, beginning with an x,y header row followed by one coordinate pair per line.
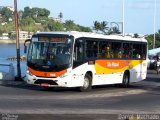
x,y
125,82
87,85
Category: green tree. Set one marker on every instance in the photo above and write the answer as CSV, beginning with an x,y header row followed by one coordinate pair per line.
x,y
60,16
6,14
27,21
37,19
150,39
35,12
136,35
10,27
100,27
20,14
71,26
27,24
40,12
97,26
46,12
157,42
84,29
103,27
27,12
12,36
55,26
113,30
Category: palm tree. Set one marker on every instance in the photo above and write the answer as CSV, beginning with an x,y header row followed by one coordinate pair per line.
x,y
103,27
115,30
97,26
60,16
136,35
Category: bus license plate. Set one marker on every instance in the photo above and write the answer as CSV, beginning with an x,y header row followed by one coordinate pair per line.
x,y
44,84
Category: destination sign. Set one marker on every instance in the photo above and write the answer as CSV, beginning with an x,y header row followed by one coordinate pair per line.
x,y
59,39
53,39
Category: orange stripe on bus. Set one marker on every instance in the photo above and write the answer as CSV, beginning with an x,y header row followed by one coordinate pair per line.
x,y
112,64
47,74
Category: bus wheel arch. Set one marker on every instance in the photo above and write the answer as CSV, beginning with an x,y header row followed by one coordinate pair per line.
x,y
87,85
126,79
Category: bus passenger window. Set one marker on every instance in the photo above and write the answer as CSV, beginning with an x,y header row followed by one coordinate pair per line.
x,y
127,50
91,49
108,51
143,54
101,49
137,51
117,51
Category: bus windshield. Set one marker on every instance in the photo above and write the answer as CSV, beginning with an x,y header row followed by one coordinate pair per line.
x,y
50,53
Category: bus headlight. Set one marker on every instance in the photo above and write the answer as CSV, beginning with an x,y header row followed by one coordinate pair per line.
x,y
28,72
64,75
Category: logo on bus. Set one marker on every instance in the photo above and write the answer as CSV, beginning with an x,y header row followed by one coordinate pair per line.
x,y
112,64
49,75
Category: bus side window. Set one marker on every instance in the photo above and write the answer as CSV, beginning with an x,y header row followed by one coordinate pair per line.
x,y
91,49
143,54
101,49
127,50
78,56
108,51
117,51
137,51
78,51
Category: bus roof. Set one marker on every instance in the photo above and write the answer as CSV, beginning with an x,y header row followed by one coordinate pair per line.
x,y
77,34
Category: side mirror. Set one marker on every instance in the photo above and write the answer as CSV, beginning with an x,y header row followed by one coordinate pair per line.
x,y
25,46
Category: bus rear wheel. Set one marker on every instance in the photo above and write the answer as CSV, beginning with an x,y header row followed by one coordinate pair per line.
x,y
87,85
125,82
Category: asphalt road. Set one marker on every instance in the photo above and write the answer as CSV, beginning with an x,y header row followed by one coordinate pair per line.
x,y
23,101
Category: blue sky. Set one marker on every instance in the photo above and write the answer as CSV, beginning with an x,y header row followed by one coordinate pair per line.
x,y
139,14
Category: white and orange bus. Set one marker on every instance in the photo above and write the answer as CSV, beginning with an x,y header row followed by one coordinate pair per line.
x,y
78,59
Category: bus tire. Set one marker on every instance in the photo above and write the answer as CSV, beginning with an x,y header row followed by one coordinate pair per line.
x,y
125,81
87,85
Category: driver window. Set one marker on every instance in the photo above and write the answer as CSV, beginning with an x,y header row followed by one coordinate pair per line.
x,y
78,52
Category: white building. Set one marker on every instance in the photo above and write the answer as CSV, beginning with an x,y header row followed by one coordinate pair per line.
x,y
4,36
23,35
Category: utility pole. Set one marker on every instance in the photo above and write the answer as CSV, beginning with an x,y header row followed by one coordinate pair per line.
x,y
18,77
123,19
155,7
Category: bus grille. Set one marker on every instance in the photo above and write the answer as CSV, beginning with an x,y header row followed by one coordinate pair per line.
x,y
50,82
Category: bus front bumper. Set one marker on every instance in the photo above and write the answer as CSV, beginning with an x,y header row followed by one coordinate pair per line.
x,y
49,82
